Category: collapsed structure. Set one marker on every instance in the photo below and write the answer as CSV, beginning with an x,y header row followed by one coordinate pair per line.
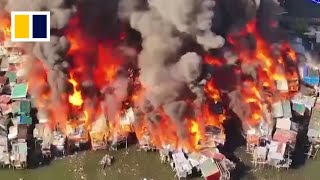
x,y
90,91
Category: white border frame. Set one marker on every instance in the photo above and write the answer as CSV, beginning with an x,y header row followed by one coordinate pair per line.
x,y
30,13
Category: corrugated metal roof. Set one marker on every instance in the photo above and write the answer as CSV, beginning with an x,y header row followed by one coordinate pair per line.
x,y
209,168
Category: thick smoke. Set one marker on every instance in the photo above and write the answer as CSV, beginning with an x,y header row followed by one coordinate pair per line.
x,y
114,95
50,53
192,17
164,24
166,77
171,78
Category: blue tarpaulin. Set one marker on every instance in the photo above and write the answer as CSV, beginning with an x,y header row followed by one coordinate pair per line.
x,y
310,76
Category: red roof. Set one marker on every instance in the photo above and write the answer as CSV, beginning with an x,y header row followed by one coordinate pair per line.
x,y
215,176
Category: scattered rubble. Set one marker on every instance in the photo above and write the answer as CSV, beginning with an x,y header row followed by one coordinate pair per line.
x,y
106,161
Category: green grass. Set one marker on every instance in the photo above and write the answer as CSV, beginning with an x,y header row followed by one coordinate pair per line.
x,y
135,165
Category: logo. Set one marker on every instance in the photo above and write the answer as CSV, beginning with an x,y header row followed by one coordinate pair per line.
x,y
30,26
316,1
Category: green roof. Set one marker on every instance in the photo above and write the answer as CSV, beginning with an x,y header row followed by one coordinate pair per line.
x,y
19,91
25,107
12,76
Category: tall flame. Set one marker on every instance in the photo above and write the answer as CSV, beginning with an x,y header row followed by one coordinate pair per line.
x,y
95,60
271,68
75,98
195,133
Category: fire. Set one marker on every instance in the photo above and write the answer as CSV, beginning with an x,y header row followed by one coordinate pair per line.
x,y
195,133
212,91
94,62
289,51
86,116
76,98
213,61
5,28
252,97
272,67
214,95
91,56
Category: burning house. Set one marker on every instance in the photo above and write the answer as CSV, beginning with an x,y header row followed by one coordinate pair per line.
x,y
153,76
99,133
44,138
77,133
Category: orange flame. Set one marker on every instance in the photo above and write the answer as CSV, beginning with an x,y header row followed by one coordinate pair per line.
x,y
195,134
93,61
5,28
214,94
76,98
271,67
213,61
212,91
252,97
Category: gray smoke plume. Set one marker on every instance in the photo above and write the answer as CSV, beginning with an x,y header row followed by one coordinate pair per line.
x,y
192,17
170,76
169,79
50,53
166,77
114,94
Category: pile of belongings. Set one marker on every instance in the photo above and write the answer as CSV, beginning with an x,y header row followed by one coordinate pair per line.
x,y
106,161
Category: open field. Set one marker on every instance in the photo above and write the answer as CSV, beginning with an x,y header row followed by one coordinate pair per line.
x,y
135,165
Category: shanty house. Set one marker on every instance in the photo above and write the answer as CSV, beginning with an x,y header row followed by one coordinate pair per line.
x,y
314,124
19,131
281,109
19,154
215,135
285,136
299,108
210,170
78,136
145,141
58,143
195,159
43,135
311,75
99,133
3,81
276,152
127,120
4,121
182,166
4,154
19,91
4,63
